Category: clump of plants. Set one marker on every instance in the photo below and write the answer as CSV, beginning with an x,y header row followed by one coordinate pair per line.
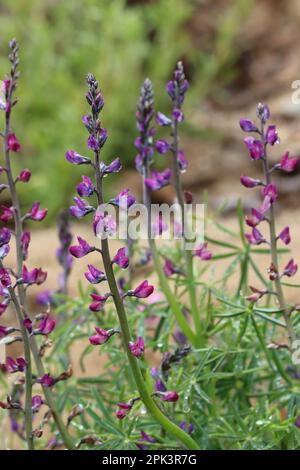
x,y
183,362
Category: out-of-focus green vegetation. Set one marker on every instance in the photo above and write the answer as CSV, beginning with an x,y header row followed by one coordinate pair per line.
x,y
121,43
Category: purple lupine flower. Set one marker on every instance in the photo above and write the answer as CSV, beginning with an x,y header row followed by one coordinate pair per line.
x,y
5,235
94,275
124,199
13,365
123,410
7,214
247,125
86,187
46,380
158,180
163,120
76,158
290,269
170,268
250,182
104,225
83,249
285,236
177,115
272,135
270,191
144,115
142,291
28,324
24,175
202,252
256,294
4,250
25,241
45,297
186,427
13,143
159,385
138,347
162,146
98,302
170,396
101,337
121,258
35,276
146,438
5,279
36,213
263,112
255,218
255,147
178,87
36,403
287,164
114,167
3,307
182,161
4,331
255,237
81,208
46,326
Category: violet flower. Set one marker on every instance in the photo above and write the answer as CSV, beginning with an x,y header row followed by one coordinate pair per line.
x,y
138,347
272,135
123,410
250,182
76,158
101,337
121,258
86,187
7,214
142,291
83,249
5,235
94,275
144,115
287,164
46,381
13,143
24,176
158,180
202,252
25,241
255,147
98,302
124,199
15,365
285,236
248,126
36,402
81,208
4,331
162,146
35,276
170,396
36,213
290,269
46,326
114,167
255,238
104,225
163,120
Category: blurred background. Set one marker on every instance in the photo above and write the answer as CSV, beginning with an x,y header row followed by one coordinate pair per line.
x,y
236,52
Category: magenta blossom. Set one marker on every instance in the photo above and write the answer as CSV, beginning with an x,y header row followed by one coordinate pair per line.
x,y
287,164
114,167
169,268
76,158
121,258
290,269
124,200
158,180
36,403
17,365
7,214
5,280
81,208
104,225
169,396
162,146
36,213
255,218
46,381
255,238
202,252
28,325
271,191
98,302
46,326
35,276
101,337
163,120
138,347
249,182
272,135
142,291
78,251
3,307
285,236
25,240
4,250
86,187
12,143
247,125
123,410
24,176
255,147
182,161
5,235
94,275
4,331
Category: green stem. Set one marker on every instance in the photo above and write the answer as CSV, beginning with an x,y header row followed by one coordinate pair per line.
x,y
148,401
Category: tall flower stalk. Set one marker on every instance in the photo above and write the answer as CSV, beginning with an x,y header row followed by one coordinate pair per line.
x,y
258,149
103,225
17,292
